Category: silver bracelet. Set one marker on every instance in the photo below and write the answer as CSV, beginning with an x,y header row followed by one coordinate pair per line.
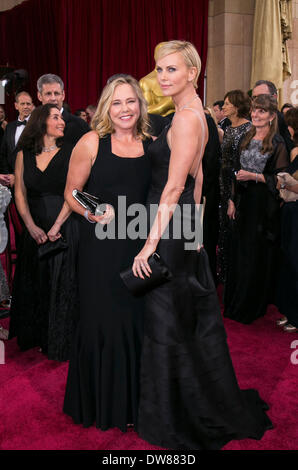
x,y
87,218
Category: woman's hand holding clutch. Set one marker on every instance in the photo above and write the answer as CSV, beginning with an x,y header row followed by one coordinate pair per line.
x,y
37,234
140,264
54,232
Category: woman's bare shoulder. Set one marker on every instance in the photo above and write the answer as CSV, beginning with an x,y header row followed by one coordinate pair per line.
x,y
187,121
89,137
88,142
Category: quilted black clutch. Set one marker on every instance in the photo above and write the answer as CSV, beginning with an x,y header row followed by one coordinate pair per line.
x,y
138,286
48,249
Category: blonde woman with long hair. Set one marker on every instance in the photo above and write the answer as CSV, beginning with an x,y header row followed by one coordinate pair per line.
x,y
110,161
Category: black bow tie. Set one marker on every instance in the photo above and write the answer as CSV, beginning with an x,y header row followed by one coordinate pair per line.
x,y
22,123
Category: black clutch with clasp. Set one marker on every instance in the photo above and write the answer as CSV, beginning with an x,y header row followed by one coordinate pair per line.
x,y
138,286
48,249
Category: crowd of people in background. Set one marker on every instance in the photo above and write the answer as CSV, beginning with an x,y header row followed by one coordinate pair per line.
x,y
250,168
233,120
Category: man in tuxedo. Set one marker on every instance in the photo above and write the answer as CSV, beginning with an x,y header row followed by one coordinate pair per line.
x,y
222,121
265,87
50,89
8,154
13,131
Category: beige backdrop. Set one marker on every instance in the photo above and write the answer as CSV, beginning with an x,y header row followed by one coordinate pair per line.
x,y
7,4
230,39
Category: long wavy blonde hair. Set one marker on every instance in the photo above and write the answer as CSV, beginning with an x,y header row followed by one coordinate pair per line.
x,y
102,123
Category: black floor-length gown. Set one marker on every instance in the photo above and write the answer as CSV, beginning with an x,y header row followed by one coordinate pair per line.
x,y
254,265
287,293
44,307
189,395
103,378
230,157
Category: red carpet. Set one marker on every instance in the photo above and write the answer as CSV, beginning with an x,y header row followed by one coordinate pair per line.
x,y
32,390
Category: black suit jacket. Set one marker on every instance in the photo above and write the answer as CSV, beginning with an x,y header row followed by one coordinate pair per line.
x,y
211,167
224,123
284,132
1,135
75,128
8,151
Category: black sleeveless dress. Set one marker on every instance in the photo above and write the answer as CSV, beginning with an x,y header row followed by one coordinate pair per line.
x,y
103,378
44,308
190,398
287,292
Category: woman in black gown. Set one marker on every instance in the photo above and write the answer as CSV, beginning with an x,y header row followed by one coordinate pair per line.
x,y
44,296
287,298
189,397
236,108
110,161
255,255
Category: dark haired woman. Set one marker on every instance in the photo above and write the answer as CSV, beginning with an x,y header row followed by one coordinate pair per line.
x,y
251,276
287,298
236,108
285,108
44,301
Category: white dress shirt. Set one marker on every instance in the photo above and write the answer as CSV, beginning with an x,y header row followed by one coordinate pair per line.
x,y
19,131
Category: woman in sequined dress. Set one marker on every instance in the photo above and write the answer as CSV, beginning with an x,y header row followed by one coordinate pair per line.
x,y
236,107
254,262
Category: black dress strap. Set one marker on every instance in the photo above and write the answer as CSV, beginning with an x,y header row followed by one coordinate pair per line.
x,y
146,143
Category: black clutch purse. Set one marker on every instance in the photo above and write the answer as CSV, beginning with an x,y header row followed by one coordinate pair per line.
x,y
91,203
48,249
160,274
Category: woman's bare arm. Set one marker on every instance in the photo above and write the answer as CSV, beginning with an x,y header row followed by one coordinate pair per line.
x,y
54,232
22,204
81,161
185,139
186,142
82,158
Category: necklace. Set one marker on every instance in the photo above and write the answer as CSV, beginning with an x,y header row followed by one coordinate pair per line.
x,y
49,149
186,104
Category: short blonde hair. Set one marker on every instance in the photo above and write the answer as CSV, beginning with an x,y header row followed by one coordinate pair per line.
x,y
187,49
102,122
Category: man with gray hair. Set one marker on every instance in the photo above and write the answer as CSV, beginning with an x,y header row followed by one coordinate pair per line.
x,y
8,152
265,87
50,89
